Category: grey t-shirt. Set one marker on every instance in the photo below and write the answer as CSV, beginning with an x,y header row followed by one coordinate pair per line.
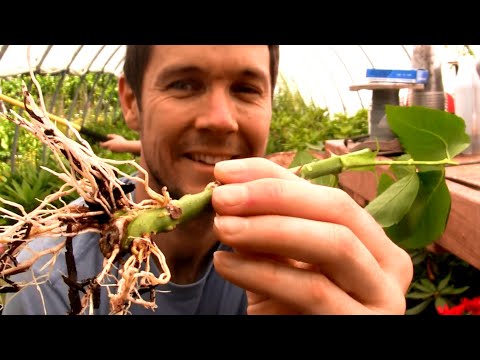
x,y
209,295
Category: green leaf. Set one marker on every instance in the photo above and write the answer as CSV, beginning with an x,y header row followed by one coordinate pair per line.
x,y
326,180
428,215
444,282
418,295
302,157
428,284
419,308
428,134
401,171
318,147
425,288
418,258
452,291
391,205
384,183
440,302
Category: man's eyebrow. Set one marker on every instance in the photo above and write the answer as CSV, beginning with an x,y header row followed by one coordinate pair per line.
x,y
177,70
255,74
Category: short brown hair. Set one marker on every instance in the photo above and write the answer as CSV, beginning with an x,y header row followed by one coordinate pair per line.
x,y
137,57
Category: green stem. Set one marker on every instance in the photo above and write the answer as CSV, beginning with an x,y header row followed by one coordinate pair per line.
x,y
413,162
364,158
161,220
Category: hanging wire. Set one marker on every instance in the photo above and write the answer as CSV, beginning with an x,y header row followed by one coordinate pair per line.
x,y
117,107
335,85
349,75
82,79
97,77
100,100
62,78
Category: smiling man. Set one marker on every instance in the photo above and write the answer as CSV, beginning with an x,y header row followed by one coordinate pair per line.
x,y
198,105
272,243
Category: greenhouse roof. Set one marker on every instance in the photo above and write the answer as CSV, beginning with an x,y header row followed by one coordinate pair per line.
x,y
322,73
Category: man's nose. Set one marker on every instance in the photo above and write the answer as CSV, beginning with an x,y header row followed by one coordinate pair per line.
x,y
218,113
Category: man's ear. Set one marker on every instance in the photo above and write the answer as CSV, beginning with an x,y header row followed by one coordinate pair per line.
x,y
129,104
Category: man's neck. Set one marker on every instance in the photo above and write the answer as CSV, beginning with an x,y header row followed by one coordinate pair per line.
x,y
188,249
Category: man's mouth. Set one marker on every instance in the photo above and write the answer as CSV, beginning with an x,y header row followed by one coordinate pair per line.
x,y
208,159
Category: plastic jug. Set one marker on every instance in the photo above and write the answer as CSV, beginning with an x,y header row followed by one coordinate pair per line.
x,y
467,100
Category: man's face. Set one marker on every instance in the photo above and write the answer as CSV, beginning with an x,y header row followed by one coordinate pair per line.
x,y
201,105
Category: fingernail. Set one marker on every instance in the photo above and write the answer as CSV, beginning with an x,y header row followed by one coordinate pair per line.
x,y
230,195
230,224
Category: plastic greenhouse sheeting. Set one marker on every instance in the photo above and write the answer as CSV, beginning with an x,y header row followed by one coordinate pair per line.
x,y
322,73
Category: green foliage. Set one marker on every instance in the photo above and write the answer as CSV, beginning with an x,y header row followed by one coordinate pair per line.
x,y
96,101
342,126
427,217
439,279
390,207
89,89
27,144
91,100
28,186
297,125
414,210
428,134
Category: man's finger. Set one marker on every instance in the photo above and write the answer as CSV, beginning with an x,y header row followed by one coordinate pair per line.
x,y
243,170
307,292
313,202
334,250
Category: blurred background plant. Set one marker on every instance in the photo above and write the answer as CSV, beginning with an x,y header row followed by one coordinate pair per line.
x,y
298,125
440,279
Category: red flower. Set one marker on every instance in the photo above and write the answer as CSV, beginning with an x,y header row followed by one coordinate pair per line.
x,y
472,305
466,307
454,310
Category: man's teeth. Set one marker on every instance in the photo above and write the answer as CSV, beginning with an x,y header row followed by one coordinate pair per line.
x,y
209,159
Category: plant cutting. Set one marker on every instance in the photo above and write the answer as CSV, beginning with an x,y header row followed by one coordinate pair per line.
x,y
126,227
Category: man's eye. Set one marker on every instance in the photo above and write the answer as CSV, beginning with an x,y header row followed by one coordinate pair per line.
x,y
183,85
247,89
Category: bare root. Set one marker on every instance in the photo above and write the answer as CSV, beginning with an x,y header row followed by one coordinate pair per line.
x,y
105,196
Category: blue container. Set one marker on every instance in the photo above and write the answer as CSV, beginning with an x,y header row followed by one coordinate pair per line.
x,y
419,76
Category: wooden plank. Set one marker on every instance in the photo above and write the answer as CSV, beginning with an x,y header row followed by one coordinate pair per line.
x,y
468,174
462,235
385,86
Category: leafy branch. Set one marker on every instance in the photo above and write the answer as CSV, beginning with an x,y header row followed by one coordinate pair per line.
x,y
413,202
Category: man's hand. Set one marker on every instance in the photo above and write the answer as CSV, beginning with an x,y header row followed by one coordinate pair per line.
x,y
303,248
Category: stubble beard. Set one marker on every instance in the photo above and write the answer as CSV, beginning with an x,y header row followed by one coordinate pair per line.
x,y
158,182
197,225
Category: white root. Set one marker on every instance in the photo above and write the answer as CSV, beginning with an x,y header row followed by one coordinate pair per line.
x,y
96,180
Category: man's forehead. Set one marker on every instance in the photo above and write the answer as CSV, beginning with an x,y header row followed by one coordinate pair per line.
x,y
220,60
254,54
